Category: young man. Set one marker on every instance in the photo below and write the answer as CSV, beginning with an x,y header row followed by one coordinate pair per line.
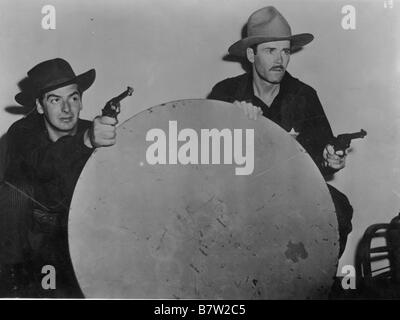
x,y
269,90
47,151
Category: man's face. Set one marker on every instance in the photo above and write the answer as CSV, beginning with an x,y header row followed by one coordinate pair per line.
x,y
271,60
61,108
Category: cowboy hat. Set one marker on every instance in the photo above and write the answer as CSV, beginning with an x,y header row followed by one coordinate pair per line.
x,y
265,25
50,75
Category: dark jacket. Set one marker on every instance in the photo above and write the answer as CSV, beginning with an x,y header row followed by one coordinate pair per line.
x,y
43,173
52,168
295,107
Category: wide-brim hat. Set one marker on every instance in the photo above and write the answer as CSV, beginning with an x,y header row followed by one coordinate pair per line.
x,y
266,25
50,75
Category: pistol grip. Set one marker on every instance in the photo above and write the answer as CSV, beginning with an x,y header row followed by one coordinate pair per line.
x,y
112,110
340,148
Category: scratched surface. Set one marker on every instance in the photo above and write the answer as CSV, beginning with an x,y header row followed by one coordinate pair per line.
x,y
200,231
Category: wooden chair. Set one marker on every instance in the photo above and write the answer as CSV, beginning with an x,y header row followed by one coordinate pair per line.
x,y
375,264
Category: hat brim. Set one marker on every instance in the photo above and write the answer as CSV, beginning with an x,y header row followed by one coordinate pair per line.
x,y
84,81
298,40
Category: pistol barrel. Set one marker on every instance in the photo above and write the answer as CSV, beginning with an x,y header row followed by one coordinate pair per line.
x,y
123,95
357,135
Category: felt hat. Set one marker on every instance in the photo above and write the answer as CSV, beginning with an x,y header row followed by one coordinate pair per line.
x,y
50,75
265,25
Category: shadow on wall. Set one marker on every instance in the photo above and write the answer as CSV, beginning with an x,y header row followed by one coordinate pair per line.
x,y
25,99
17,110
27,105
3,155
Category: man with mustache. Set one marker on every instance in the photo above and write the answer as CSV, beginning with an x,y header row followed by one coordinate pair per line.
x,y
269,90
47,151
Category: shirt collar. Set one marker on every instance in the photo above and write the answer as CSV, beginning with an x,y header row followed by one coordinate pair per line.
x,y
245,91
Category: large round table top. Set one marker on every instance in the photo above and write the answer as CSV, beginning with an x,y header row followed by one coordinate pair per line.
x,y
202,231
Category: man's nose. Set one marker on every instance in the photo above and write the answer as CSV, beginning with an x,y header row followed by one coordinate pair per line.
x,y
66,107
279,58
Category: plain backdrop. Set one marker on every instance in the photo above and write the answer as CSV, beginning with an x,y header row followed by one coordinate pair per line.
x,y
173,49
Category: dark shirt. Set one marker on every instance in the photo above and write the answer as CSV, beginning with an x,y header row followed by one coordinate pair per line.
x,y
295,107
52,168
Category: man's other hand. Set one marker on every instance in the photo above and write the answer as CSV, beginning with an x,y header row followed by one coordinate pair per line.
x,y
252,112
102,133
335,160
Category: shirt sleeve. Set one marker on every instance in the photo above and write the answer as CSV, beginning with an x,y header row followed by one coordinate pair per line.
x,y
317,133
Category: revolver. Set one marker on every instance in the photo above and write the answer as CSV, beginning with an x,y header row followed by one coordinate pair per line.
x,y
112,107
342,141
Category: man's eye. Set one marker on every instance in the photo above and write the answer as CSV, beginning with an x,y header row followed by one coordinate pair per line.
x,y
75,98
54,100
286,51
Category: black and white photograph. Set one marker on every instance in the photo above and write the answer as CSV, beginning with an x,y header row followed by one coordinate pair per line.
x,y
198,150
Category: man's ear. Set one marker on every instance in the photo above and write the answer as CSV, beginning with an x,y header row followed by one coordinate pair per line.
x,y
250,55
39,107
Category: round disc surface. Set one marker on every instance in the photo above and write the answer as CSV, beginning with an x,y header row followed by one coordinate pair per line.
x,y
202,231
